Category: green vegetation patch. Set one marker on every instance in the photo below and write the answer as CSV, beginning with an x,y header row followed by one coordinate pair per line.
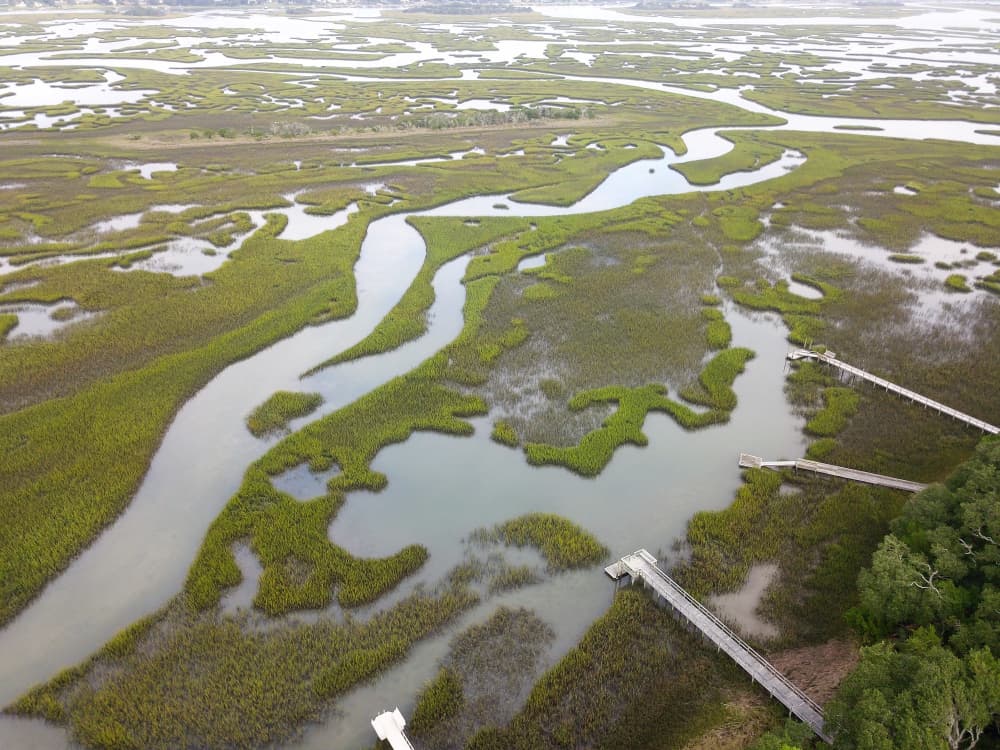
x,y
621,686
718,333
562,543
439,699
221,682
484,678
290,537
748,154
7,324
597,447
840,405
715,383
505,434
446,239
121,419
956,282
281,408
819,538
932,592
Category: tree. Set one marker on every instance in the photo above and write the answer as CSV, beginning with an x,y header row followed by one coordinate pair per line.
x,y
920,696
903,587
941,564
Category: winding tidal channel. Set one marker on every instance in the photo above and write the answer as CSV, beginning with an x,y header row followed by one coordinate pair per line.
x,y
644,497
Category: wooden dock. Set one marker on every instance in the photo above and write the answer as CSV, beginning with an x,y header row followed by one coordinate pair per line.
x,y
641,565
748,461
830,358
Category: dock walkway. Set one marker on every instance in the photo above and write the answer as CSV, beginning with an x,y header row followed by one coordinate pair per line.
x,y
641,565
830,358
748,461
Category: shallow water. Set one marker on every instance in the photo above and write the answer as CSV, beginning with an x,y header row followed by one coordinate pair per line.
x,y
41,93
131,221
740,607
140,562
639,179
441,488
147,551
35,320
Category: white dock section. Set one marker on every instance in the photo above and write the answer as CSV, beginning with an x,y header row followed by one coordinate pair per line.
x,y
388,725
830,358
748,461
641,565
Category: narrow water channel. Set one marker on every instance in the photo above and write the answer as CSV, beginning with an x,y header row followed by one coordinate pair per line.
x,y
441,488
141,561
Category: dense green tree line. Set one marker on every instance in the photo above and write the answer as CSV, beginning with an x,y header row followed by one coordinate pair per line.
x,y
931,603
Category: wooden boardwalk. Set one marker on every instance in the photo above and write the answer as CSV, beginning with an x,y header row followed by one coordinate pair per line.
x,y
830,358
641,565
748,461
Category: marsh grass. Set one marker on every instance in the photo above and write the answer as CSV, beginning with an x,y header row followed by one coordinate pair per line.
x,y
8,323
194,679
438,700
840,405
484,679
598,309
562,543
504,434
718,333
906,258
281,408
283,529
446,239
624,425
125,416
956,282
714,388
621,686
819,537
748,154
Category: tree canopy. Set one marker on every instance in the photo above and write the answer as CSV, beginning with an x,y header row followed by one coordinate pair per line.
x,y
933,593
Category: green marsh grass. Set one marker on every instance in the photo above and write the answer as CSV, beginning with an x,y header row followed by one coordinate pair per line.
x,y
438,700
718,333
621,687
446,239
748,154
197,680
282,407
504,434
714,387
956,282
562,543
483,679
597,447
906,258
125,416
839,405
285,531
7,324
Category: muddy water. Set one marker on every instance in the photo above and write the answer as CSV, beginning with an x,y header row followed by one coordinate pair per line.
x,y
141,561
137,564
441,488
740,607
